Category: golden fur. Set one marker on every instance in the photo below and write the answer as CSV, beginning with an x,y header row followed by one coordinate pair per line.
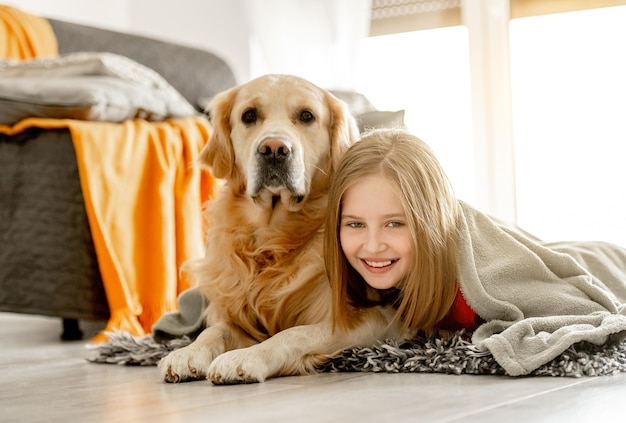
x,y
276,142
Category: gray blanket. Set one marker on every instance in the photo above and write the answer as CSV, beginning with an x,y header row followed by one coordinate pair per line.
x,y
538,299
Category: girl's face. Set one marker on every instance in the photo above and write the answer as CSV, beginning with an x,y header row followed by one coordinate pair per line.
x,y
374,234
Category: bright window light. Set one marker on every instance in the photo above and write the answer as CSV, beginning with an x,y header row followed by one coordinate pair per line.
x,y
569,117
568,74
426,73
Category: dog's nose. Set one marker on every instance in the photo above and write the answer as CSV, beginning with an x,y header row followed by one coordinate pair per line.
x,y
275,147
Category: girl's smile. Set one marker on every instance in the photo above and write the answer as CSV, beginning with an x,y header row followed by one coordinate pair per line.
x,y
373,232
378,265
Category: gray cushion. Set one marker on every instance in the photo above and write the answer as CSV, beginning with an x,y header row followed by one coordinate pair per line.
x,y
193,72
380,119
367,116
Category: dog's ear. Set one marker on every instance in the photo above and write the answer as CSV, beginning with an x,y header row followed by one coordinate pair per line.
x,y
344,130
218,154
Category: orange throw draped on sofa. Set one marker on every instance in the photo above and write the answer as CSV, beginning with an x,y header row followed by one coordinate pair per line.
x,y
143,199
142,194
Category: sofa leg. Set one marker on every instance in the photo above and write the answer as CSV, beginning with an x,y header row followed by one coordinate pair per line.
x,y
71,330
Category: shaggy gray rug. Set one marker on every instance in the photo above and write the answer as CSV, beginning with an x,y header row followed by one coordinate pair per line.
x,y
422,355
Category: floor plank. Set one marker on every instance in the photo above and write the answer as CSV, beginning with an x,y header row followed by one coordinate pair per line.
x,y
48,380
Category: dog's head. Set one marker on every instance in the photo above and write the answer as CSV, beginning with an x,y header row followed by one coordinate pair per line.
x,y
277,137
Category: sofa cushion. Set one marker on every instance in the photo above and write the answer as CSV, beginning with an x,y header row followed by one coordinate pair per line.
x,y
194,72
380,119
357,103
367,116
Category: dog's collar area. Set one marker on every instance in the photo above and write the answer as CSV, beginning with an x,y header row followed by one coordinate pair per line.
x,y
272,201
296,199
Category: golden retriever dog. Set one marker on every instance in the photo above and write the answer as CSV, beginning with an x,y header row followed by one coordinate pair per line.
x,y
275,144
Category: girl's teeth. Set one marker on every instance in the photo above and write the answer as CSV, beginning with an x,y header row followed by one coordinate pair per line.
x,y
378,263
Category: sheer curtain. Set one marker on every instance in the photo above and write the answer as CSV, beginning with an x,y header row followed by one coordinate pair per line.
x,y
315,39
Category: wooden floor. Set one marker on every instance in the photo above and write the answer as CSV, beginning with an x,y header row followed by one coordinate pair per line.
x,y
48,380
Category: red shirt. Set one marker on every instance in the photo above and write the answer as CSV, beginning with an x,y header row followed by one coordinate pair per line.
x,y
460,316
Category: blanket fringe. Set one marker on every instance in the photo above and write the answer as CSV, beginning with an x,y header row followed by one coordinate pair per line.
x,y
125,349
455,355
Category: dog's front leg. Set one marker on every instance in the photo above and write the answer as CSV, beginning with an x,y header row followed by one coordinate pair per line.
x,y
294,351
283,353
192,362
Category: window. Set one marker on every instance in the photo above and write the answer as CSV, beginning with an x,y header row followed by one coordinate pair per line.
x,y
426,73
569,113
568,102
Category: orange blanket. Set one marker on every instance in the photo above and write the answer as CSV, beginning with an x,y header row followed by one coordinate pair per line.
x,y
25,36
142,195
143,199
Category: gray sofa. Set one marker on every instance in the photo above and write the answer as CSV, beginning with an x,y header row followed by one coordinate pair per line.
x,y
47,261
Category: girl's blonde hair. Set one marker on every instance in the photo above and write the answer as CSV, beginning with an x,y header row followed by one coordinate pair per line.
x,y
431,210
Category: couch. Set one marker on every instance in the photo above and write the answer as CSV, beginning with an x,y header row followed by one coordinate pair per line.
x,y
48,264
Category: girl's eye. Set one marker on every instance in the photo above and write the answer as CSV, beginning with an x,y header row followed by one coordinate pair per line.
x,y
395,224
354,224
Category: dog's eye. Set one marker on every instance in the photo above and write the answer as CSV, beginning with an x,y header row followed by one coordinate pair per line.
x,y
306,116
249,116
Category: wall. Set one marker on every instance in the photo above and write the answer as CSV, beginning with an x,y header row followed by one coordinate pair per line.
x,y
219,26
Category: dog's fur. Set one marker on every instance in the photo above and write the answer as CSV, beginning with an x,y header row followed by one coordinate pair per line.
x,y
275,143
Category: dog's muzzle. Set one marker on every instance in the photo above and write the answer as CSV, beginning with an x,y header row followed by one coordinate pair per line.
x,y
275,167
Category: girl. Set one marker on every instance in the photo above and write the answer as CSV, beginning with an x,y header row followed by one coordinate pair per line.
x,y
396,229
397,236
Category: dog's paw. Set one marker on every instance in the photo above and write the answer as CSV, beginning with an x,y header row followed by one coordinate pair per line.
x,y
185,364
248,365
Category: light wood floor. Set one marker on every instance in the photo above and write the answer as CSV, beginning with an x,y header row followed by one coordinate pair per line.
x,y
47,380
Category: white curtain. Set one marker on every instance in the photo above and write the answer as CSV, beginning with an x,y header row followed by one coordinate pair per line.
x,y
314,39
